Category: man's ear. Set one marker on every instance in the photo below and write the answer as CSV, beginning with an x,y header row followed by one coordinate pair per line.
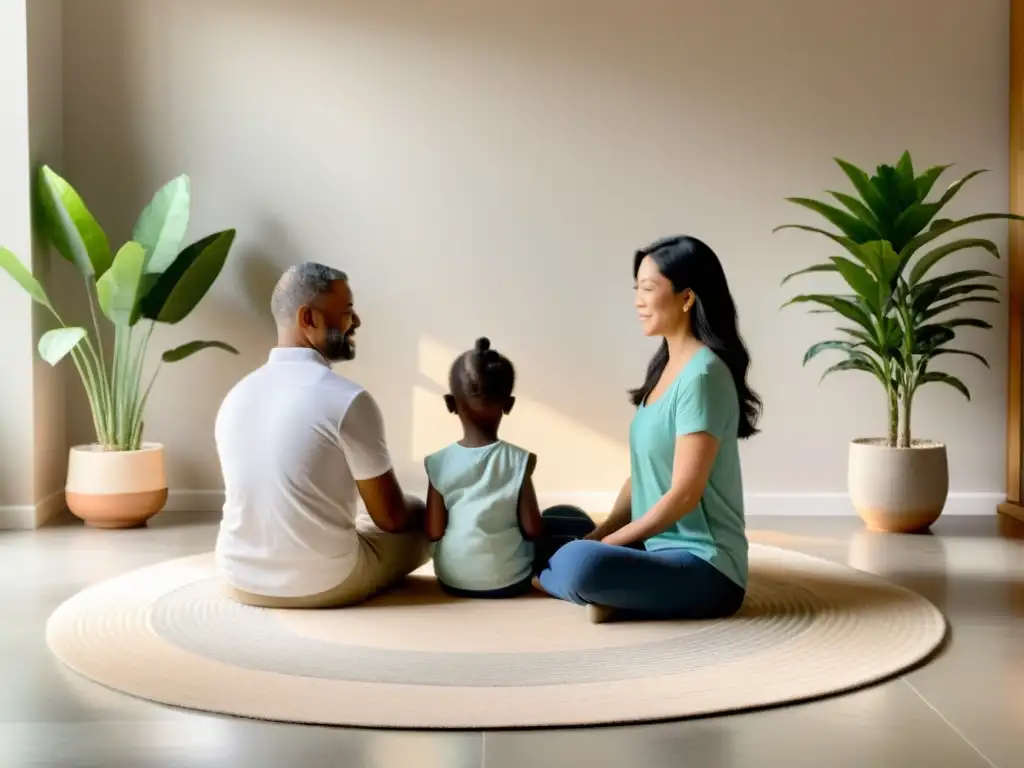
x,y
450,404
305,317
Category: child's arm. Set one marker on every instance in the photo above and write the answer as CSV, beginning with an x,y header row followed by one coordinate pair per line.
x,y
530,522
436,519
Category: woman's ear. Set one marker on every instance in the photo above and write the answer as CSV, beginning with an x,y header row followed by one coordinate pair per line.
x,y
686,299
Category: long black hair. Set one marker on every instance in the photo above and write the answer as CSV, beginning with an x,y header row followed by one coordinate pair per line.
x,y
689,263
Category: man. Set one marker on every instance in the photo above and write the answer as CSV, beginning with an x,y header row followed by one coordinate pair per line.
x,y
298,446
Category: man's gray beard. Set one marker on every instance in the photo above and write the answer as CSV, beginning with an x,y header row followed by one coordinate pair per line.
x,y
337,347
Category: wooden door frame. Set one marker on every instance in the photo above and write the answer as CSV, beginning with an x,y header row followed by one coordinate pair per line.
x,y
1014,504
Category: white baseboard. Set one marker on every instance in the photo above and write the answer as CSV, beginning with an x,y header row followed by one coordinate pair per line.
x,y
28,516
757,504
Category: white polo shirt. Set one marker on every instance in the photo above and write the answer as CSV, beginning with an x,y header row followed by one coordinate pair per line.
x,y
293,438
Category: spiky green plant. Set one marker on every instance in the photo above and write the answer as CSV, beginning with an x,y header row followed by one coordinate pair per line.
x,y
150,280
899,306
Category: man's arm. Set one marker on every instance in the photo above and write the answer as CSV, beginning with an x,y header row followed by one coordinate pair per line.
x,y
390,509
365,447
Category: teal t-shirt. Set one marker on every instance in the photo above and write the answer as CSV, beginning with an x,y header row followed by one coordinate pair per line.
x,y
702,398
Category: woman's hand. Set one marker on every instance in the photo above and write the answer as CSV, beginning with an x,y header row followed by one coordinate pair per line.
x,y
694,456
618,517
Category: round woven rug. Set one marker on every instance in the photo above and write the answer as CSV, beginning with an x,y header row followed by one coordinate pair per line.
x,y
415,658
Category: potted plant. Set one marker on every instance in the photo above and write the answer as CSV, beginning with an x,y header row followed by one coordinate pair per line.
x,y
901,321
120,480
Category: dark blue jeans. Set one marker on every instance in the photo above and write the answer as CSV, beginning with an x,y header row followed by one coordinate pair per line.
x,y
671,584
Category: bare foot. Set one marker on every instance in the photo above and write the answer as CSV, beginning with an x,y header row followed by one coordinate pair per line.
x,y
599,614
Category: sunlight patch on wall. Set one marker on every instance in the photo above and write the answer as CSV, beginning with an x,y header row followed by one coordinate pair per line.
x,y
570,456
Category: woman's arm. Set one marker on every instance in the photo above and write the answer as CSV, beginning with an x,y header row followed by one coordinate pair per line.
x,y
436,518
694,456
619,516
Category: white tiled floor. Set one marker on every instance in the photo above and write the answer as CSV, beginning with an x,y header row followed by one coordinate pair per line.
x,y
965,708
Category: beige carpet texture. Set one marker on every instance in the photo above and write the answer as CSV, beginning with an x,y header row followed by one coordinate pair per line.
x,y
415,658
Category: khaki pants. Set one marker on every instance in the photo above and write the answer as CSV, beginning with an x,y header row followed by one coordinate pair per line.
x,y
383,560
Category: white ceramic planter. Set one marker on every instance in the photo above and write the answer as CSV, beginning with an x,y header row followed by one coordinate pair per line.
x,y
898,489
116,489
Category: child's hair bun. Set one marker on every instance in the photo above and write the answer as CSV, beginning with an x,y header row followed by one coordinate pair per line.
x,y
482,345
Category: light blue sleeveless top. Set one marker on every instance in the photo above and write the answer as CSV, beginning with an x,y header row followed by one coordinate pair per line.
x,y
483,546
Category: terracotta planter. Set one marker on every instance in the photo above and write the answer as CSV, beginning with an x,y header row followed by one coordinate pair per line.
x,y
899,490
116,489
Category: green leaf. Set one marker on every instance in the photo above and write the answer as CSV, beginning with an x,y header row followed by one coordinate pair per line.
x,y
187,350
822,346
830,267
860,280
843,306
184,283
910,223
854,364
907,181
75,233
864,339
862,183
938,309
957,185
960,276
859,210
965,352
56,344
905,169
887,181
118,288
942,226
934,256
930,337
161,226
12,265
880,258
927,180
846,242
857,230
949,292
966,322
937,377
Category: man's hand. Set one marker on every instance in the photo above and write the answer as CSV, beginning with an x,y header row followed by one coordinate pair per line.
x,y
388,507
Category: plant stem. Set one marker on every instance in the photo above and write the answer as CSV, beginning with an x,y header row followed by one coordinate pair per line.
x,y
140,409
122,393
908,399
909,377
101,364
894,417
90,392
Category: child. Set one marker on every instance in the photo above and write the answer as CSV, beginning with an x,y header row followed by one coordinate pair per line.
x,y
481,504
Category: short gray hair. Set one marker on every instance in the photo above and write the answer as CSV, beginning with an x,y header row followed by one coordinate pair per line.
x,y
299,285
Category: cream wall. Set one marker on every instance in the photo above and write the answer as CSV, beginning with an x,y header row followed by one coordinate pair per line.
x,y
484,168
33,444
16,435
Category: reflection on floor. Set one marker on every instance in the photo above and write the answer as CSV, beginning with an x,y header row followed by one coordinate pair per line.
x,y
963,709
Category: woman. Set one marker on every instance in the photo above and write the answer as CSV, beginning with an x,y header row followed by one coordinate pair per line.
x,y
675,544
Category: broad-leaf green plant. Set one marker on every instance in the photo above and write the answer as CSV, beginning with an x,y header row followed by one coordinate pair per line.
x,y
897,303
150,279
